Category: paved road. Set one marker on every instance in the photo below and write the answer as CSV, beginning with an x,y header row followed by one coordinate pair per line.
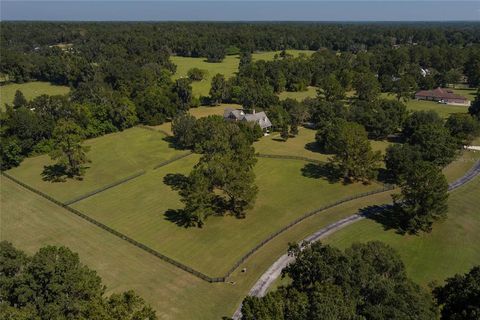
x,y
261,286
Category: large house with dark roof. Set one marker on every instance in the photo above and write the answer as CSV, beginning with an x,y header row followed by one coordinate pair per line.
x,y
442,95
259,118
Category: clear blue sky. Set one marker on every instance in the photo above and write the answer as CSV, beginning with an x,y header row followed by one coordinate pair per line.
x,y
246,10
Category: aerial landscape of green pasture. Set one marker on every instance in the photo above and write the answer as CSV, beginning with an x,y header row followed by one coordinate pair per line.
x,y
316,178
30,90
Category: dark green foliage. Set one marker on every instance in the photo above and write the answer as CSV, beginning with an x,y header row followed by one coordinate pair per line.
x,y
366,86
284,132
367,281
223,180
423,198
219,91
155,105
331,89
380,118
463,127
435,143
474,109
418,119
196,74
401,159
279,117
353,154
183,128
68,150
404,88
459,297
215,53
19,100
183,89
327,134
53,284
11,153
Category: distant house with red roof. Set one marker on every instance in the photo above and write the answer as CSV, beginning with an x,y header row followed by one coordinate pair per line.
x,y
442,95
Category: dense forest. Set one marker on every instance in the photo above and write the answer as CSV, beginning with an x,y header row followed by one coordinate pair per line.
x,y
121,74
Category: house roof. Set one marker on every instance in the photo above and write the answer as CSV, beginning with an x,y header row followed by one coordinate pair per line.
x,y
440,94
260,117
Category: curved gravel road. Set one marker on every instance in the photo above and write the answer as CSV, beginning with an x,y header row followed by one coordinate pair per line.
x,y
261,286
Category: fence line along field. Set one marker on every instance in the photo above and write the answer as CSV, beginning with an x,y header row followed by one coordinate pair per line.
x,y
143,209
30,90
113,157
452,247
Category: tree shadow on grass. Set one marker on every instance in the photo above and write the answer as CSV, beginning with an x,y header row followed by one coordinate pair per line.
x,y
322,171
176,181
54,173
386,215
313,147
179,217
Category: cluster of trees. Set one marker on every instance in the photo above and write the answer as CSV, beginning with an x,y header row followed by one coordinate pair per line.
x,y
103,105
366,281
223,180
430,144
53,284
215,40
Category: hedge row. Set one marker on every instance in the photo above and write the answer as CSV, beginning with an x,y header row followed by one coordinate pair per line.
x,y
108,186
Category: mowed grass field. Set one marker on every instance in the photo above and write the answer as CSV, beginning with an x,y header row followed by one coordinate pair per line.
x,y
113,157
311,92
138,207
452,247
228,67
30,222
30,90
444,110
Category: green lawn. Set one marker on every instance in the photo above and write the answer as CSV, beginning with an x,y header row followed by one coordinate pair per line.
x,y
30,91
444,110
227,67
137,209
113,157
452,247
270,55
30,222
301,145
311,92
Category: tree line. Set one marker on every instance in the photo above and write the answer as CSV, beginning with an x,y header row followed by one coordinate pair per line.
x,y
54,284
365,281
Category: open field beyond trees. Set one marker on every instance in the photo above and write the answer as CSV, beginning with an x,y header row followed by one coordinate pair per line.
x,y
30,91
228,67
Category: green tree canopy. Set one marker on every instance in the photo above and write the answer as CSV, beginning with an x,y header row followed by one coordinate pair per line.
x,y
366,281
423,198
53,284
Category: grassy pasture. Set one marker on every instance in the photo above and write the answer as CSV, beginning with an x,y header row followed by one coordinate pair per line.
x,y
137,208
444,110
30,222
30,90
452,247
113,157
270,55
311,92
301,145
227,67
